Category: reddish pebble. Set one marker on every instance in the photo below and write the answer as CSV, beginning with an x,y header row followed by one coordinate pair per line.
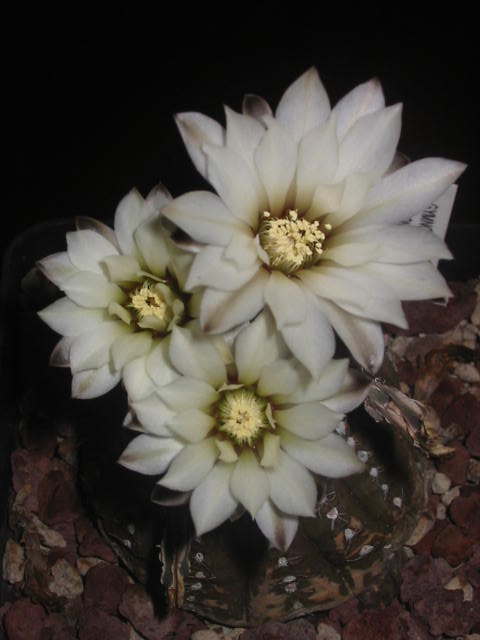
x,y
424,545
374,624
57,499
99,625
344,612
24,620
422,574
455,467
473,441
104,587
465,512
444,395
465,411
452,545
445,612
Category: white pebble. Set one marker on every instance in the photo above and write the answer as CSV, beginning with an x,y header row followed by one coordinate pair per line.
x,y
441,483
467,372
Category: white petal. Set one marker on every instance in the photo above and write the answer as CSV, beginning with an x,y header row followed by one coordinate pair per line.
x,y
196,356
256,107
317,161
308,389
212,502
92,290
249,483
188,393
158,197
356,187
220,311
86,249
242,251
304,105
122,268
271,450
311,341
60,356
280,377
236,183
370,144
353,254
94,382
196,130
330,456
286,299
84,222
137,382
192,425
276,526
363,338
226,451
364,99
276,161
129,214
57,267
149,455
402,194
153,243
292,488
203,216
131,346
190,466
327,197
153,414
158,364
211,269
68,319
419,281
310,420
257,345
91,349
351,395
243,135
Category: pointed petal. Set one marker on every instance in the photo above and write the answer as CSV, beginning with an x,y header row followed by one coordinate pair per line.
x,y
353,392
402,194
271,450
280,377
243,135
286,299
257,345
196,356
137,382
68,319
370,144
221,311
210,268
203,216
92,290
191,466
192,425
91,349
292,488
310,420
249,483
226,451
276,162
86,249
188,393
330,456
308,389
364,99
60,356
94,382
311,341
154,415
153,243
354,253
150,455
122,268
158,365
356,187
276,526
196,130
84,222
304,105
131,346
129,214
326,198
256,107
212,502
57,267
418,281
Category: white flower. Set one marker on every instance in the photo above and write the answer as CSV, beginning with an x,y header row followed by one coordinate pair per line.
x,y
246,432
310,218
123,296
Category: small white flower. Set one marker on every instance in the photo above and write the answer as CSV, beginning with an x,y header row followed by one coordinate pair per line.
x,y
124,293
310,218
247,431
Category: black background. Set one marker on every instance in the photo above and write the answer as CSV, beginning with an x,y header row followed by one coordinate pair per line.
x,y
91,112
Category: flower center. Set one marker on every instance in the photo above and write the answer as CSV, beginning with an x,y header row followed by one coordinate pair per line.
x,y
291,242
242,415
148,302
153,305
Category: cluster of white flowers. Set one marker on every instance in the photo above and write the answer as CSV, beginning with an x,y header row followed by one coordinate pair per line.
x,y
225,342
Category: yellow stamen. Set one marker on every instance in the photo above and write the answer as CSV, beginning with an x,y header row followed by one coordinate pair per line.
x,y
148,302
242,416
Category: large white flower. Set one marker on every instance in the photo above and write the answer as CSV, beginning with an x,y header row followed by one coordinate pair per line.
x,y
124,293
310,218
245,432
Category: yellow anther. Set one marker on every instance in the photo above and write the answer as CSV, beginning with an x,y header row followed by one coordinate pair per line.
x,y
242,415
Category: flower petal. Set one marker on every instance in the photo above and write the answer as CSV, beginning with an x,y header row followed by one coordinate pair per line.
x,y
86,250
211,268
256,346
196,356
276,162
153,243
353,392
69,319
249,482
276,526
203,216
94,382
363,99
149,455
60,356
243,135
154,415
137,382
292,488
92,290
405,244
131,346
57,267
196,130
370,144
308,389
309,420
226,451
286,299
280,377
330,456
188,393
191,425
129,214
304,105
271,450
190,466
256,107
91,349
212,502
84,222
158,365
122,268
220,311
417,281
